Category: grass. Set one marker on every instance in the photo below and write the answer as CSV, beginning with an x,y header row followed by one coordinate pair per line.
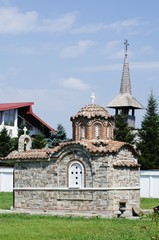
x,y
149,203
6,200
24,227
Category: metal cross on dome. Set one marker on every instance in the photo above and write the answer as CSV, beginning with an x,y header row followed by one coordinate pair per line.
x,y
93,97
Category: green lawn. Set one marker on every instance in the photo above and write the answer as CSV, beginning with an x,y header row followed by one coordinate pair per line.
x,y
149,203
6,200
27,227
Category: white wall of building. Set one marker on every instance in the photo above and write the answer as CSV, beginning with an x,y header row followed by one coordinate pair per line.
x,y
149,183
6,179
12,130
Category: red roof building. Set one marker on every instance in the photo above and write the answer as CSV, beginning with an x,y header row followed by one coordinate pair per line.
x,y
12,115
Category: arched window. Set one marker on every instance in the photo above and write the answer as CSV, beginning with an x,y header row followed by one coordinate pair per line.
x,y
76,175
82,131
109,132
97,131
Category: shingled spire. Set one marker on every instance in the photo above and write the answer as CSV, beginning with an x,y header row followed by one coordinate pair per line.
x,y
125,101
125,86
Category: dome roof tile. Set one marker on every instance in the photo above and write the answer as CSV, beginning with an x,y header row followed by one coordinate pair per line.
x,y
91,111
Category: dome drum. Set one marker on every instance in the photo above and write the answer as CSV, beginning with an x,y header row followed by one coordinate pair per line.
x,y
92,122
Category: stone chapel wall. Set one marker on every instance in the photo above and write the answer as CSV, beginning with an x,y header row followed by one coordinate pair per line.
x,y
44,186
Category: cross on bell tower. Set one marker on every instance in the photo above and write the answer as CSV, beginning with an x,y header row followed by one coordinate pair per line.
x,y
125,103
126,46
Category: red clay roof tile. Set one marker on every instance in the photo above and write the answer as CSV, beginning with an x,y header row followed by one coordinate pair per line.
x,y
126,164
91,111
92,146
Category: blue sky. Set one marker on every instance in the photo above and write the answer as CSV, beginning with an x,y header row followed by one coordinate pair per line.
x,y
56,53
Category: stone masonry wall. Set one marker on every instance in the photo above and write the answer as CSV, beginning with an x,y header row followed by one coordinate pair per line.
x,y
76,200
44,185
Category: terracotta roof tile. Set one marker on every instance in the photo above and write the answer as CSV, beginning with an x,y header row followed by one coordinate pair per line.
x,y
126,164
93,146
30,154
91,111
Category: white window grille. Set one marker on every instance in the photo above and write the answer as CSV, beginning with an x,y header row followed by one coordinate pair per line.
x,y
76,175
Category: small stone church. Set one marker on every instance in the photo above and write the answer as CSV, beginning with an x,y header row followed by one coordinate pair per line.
x,y
92,174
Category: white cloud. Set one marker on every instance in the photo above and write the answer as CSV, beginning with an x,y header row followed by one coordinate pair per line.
x,y
74,84
36,50
111,45
145,65
133,65
147,50
115,26
12,20
113,50
6,2
89,28
118,55
119,25
108,67
62,24
76,50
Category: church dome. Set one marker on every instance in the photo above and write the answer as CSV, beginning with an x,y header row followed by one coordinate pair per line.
x,y
92,111
92,122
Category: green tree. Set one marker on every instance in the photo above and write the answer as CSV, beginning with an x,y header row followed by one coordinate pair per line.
x,y
14,144
57,137
5,143
122,132
38,141
149,136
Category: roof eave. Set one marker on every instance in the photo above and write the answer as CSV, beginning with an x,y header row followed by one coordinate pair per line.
x,y
125,100
9,106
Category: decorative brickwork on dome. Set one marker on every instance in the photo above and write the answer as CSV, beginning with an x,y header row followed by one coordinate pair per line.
x,y
92,122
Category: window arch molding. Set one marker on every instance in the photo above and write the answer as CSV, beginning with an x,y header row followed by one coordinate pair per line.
x,y
75,174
